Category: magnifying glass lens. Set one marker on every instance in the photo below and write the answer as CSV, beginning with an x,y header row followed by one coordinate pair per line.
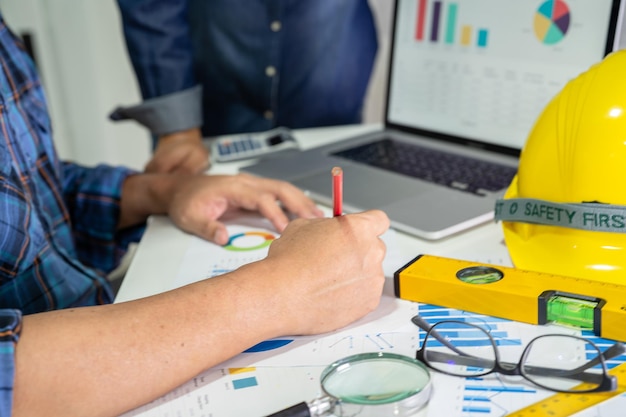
x,y
375,380
369,385
377,384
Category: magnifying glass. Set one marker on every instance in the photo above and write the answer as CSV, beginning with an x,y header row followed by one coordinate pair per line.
x,y
369,385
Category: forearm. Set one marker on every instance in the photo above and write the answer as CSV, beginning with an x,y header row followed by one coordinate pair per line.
x,y
105,360
134,352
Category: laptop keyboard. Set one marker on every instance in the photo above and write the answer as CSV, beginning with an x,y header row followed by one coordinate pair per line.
x,y
455,171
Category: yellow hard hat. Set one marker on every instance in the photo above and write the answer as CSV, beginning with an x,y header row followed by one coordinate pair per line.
x,y
565,211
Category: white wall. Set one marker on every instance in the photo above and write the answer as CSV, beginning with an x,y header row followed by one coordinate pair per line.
x,y
375,100
86,73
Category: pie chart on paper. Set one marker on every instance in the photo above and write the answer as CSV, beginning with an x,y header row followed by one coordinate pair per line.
x,y
552,21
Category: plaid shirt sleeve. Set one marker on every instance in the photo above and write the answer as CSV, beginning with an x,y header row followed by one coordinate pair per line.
x,y
10,326
93,199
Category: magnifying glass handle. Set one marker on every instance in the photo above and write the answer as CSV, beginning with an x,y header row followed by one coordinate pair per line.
x,y
298,410
316,408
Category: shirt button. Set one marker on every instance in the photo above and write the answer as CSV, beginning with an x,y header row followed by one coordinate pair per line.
x,y
276,26
268,114
270,71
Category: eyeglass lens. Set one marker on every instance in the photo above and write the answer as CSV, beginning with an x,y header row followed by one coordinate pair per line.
x,y
561,363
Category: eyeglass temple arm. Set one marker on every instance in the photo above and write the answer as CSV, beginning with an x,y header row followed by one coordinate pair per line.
x,y
424,325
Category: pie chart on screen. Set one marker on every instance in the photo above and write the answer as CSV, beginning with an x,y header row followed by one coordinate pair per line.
x,y
552,21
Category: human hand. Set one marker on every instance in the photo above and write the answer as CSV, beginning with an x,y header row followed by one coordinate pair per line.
x,y
180,152
199,201
326,273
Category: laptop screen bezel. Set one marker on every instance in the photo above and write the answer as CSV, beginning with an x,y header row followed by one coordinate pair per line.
x,y
611,44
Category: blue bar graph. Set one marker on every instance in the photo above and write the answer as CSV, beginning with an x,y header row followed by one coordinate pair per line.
x,y
245,382
462,335
473,410
498,388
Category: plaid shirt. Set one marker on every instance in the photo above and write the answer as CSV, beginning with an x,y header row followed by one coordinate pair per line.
x,y
10,326
58,220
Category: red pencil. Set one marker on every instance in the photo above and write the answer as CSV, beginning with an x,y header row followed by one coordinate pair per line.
x,y
337,174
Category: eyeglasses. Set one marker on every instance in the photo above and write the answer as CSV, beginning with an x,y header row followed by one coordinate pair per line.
x,y
579,368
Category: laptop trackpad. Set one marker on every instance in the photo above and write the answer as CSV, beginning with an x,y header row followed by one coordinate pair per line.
x,y
365,188
433,212
414,206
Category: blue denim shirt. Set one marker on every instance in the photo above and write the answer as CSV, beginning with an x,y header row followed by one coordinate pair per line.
x,y
261,63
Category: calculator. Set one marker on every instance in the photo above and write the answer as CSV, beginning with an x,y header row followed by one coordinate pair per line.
x,y
252,145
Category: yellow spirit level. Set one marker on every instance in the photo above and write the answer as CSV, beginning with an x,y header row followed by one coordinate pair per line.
x,y
515,294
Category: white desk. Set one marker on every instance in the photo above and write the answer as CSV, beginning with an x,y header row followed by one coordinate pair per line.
x,y
166,243
214,393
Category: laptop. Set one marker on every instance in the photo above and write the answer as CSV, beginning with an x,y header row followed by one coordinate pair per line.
x,y
467,80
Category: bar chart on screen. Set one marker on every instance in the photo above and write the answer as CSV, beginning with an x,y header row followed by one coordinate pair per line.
x,y
439,21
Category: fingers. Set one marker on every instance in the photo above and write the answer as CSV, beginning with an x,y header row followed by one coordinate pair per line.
x,y
290,197
376,220
294,200
205,198
213,231
268,208
272,199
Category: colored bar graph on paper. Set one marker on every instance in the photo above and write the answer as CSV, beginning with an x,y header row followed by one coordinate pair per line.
x,y
244,382
451,23
233,371
460,334
603,344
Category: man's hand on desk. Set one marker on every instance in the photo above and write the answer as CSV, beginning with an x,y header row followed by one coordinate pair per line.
x,y
197,205
196,202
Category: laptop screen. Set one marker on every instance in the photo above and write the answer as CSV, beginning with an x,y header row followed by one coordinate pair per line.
x,y
483,70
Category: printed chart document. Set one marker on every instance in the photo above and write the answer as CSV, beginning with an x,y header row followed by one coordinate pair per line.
x,y
261,388
250,237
